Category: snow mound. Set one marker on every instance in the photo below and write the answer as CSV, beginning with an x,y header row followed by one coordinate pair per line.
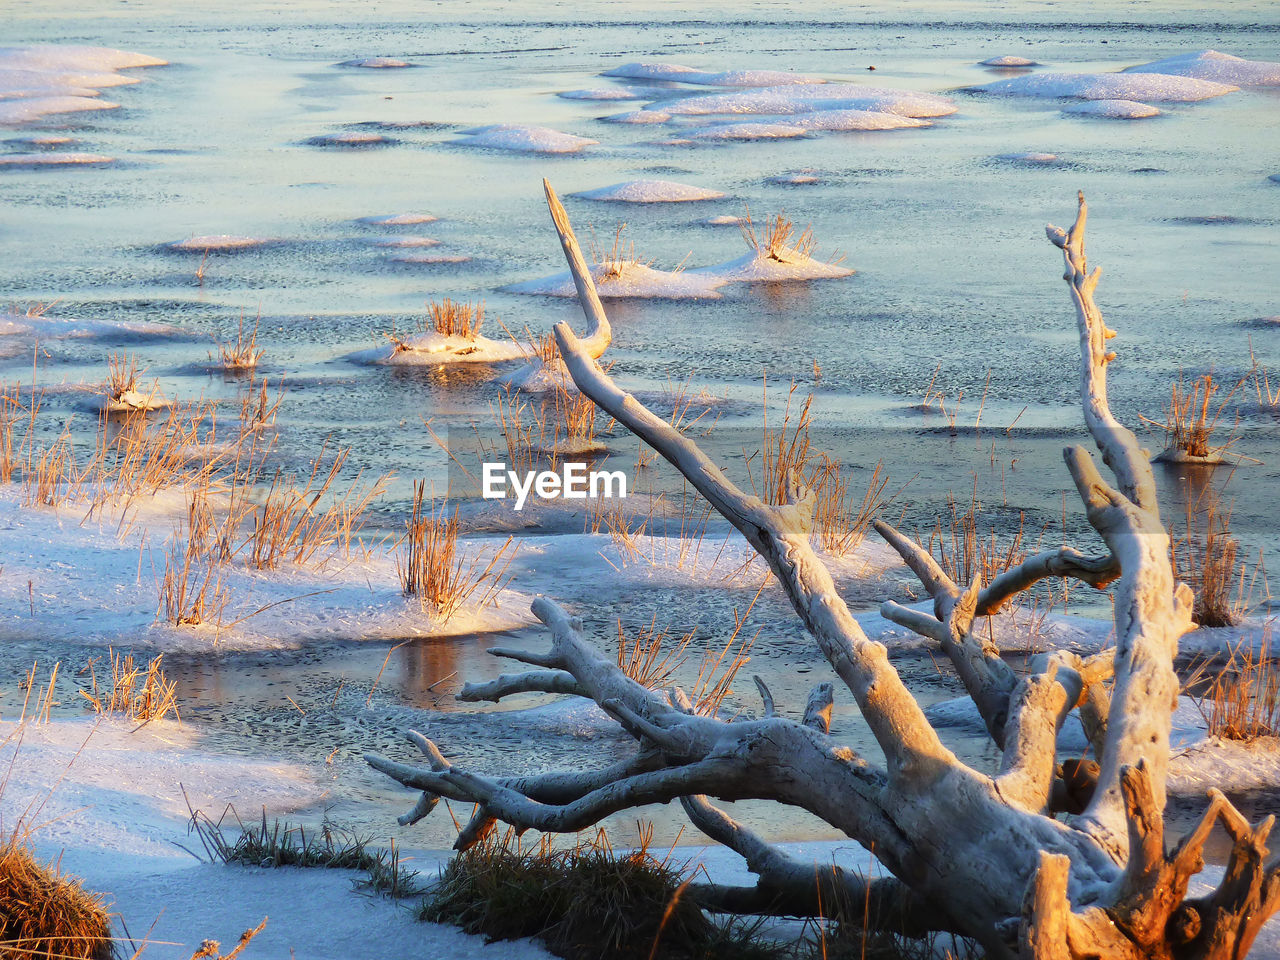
x,y
757,268
604,93
793,178
399,219
1157,87
724,220
377,63
401,242
27,111
432,348
749,131
523,139
30,160
1113,109
650,191
629,280
430,258
1045,158
221,242
350,139
730,78
44,79
1215,66
1008,61
842,120
806,98
638,116
42,142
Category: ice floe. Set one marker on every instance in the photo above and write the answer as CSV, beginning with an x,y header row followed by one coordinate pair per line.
x,y
1215,66
522,139
433,348
848,120
1008,61
45,79
399,219
650,191
629,280
31,160
729,78
638,116
793,178
1029,157
1113,109
220,242
723,220
807,98
1157,87
377,63
605,93
754,267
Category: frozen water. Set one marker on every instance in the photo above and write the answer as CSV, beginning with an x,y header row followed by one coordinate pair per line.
x,y
1008,61
639,116
523,139
605,93
805,98
15,160
730,78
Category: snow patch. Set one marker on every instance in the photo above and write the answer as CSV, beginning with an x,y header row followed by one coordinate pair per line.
x,y
638,116
522,139
629,280
432,348
1113,109
604,93
399,219
1157,87
27,111
46,79
220,242
401,242
429,258
845,120
30,160
757,268
650,191
377,63
1030,157
807,98
1215,66
1008,61
749,131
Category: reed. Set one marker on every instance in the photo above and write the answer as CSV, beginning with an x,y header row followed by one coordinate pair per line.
x,y
777,239
191,589
136,692
1207,558
452,318
650,655
242,354
1242,701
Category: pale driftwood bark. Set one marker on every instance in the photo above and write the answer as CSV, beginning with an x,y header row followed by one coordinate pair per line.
x,y
969,851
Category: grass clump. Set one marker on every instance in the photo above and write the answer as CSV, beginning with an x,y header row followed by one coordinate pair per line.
x,y
1207,558
451,318
46,914
777,239
242,355
584,902
137,693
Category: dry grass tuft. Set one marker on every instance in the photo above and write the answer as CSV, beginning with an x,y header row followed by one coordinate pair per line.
x,y
44,913
243,355
618,259
191,590
1190,420
1207,559
51,477
965,553
777,239
136,693
432,569
647,657
122,375
452,318
1243,701
585,902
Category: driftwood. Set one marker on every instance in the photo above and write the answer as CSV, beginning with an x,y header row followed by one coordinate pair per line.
x,y
994,857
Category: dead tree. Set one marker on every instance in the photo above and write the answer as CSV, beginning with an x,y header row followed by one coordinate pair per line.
x,y
997,857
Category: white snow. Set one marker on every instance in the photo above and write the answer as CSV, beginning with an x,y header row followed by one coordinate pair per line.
x,y
723,220
399,219
53,159
792,179
650,191
638,116
1157,87
748,131
843,120
399,242
46,79
1029,157
1215,66
630,280
376,63
522,139
435,348
222,242
730,78
754,268
349,139
1113,109
1008,60
806,98
605,93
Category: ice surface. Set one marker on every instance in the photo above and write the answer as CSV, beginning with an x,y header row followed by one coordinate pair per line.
x,y
26,111
350,139
222,242
1008,61
729,78
794,178
605,93
401,242
650,191
13,160
1158,87
1219,67
837,120
1113,109
724,220
429,258
523,139
806,98
1029,157
632,280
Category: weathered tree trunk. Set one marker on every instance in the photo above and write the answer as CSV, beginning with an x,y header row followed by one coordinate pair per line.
x,y
969,852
